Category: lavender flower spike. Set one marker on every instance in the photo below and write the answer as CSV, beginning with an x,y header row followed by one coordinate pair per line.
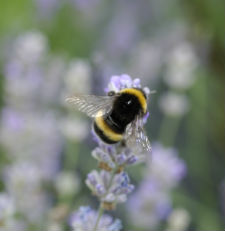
x,y
85,219
119,82
111,157
109,191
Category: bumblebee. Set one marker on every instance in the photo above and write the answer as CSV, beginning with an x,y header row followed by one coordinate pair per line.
x,y
117,117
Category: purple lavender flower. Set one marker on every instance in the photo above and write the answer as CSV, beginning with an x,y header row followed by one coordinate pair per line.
x,y
149,205
23,182
119,82
30,47
165,167
111,157
122,31
85,4
109,189
181,65
13,119
85,219
174,104
29,131
145,118
47,7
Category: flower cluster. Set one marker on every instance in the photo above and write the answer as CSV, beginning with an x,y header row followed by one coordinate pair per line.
x,y
117,83
111,184
109,157
32,129
110,191
85,219
34,155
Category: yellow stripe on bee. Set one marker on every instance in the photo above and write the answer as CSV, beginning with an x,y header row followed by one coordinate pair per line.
x,y
108,132
139,95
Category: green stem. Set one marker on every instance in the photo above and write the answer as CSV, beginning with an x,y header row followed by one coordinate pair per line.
x,y
111,179
100,212
101,209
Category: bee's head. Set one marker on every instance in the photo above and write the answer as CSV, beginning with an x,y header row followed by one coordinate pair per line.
x,y
127,104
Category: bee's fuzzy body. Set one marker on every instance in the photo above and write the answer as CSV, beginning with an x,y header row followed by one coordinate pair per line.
x,y
111,126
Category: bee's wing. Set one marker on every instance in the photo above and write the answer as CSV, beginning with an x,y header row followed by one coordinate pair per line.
x,y
92,105
136,137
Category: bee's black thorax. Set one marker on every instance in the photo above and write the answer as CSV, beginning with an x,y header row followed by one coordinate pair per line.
x,y
125,109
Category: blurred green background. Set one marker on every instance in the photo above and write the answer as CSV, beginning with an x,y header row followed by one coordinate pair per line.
x,y
140,38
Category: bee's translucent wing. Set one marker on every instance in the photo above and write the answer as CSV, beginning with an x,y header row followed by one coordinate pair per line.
x,y
92,105
136,137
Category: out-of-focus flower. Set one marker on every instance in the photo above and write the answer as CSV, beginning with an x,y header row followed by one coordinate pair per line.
x,y
78,77
76,81
35,137
24,70
7,207
181,65
107,189
85,4
51,84
149,205
85,219
146,59
173,104
165,167
122,31
75,129
67,183
22,176
23,182
29,128
178,220
22,88
12,119
30,47
47,7
33,81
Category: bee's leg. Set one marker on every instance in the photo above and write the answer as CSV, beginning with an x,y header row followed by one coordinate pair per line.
x,y
111,93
